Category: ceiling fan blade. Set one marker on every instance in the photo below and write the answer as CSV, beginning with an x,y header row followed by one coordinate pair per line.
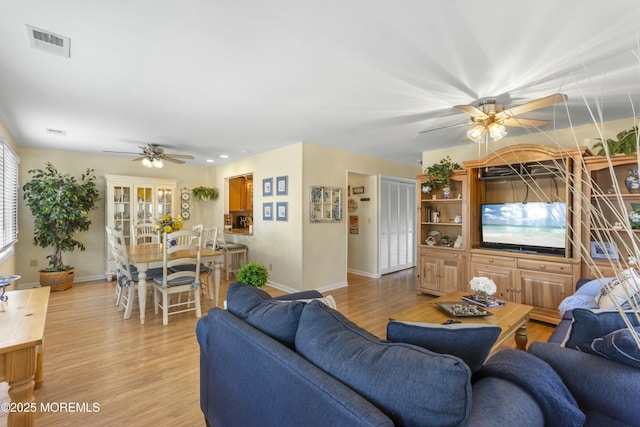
x,y
180,156
446,127
472,111
533,105
139,158
119,152
524,123
172,160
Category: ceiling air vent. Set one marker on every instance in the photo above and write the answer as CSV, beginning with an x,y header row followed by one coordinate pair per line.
x,y
48,41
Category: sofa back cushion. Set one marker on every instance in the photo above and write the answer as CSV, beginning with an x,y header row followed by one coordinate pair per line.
x,y
278,319
413,386
590,324
471,342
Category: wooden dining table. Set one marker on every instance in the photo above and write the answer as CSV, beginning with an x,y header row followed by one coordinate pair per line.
x,y
149,255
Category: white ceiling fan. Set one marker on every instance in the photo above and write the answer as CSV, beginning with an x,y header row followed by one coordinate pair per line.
x,y
153,155
490,118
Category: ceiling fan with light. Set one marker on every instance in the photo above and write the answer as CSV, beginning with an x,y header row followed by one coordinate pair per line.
x,y
153,155
490,118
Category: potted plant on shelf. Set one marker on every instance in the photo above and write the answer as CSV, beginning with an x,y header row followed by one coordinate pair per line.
x,y
205,193
626,142
60,205
440,173
254,274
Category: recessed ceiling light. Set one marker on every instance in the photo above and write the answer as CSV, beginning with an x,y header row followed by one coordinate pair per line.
x,y
210,161
224,156
58,132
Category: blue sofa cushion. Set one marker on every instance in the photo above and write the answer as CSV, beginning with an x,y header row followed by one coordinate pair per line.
x,y
278,319
421,388
470,342
588,325
619,346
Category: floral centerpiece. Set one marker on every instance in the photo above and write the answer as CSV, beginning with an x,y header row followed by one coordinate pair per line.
x,y
483,287
167,224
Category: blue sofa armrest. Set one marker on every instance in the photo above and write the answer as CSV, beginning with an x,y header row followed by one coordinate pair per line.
x,y
299,295
605,390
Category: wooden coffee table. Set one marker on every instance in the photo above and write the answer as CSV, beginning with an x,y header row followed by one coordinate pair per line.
x,y
512,318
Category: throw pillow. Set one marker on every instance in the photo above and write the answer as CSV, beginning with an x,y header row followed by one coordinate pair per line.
x,y
588,325
470,342
619,290
413,386
619,346
278,319
329,301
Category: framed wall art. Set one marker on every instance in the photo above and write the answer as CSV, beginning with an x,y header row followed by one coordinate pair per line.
x,y
267,187
325,204
267,211
281,211
281,186
358,190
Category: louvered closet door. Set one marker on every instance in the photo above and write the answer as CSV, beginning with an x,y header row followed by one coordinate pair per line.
x,y
397,222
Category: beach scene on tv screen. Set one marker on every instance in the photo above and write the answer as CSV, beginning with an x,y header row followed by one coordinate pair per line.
x,y
526,224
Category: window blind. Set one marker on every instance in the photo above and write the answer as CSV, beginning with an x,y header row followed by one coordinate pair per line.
x,y
8,196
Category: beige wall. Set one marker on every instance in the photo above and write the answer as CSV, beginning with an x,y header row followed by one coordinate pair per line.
x,y
362,248
90,264
302,255
275,244
325,244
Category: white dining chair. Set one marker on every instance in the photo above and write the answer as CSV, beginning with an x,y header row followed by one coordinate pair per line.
x,y
112,249
179,275
144,233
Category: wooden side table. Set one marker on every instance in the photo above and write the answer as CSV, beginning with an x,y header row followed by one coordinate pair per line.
x,y
22,319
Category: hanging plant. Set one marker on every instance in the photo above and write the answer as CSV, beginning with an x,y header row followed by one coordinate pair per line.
x,y
205,193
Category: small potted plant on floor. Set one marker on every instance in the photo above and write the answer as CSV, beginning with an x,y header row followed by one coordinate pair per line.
x,y
254,274
60,206
205,193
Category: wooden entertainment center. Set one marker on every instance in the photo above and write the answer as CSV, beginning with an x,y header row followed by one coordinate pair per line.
x,y
537,279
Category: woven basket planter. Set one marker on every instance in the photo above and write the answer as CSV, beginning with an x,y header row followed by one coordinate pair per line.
x,y
57,280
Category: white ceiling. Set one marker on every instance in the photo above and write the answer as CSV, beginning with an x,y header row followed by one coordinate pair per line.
x,y
239,77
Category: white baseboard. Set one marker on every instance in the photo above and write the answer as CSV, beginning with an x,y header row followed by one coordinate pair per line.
x,y
75,280
364,273
322,290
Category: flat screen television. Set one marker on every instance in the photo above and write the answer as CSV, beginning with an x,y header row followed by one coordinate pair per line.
x,y
534,227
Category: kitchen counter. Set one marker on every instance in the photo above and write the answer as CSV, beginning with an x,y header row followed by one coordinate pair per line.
x,y
238,231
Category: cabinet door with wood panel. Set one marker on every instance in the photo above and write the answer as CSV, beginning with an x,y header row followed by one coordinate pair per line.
x,y
502,277
441,271
544,291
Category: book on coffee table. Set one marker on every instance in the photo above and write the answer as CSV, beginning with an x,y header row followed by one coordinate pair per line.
x,y
490,302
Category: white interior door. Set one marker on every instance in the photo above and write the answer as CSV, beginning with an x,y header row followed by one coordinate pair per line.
x,y
397,224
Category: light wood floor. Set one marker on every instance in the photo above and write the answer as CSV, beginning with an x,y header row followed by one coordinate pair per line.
x,y
148,375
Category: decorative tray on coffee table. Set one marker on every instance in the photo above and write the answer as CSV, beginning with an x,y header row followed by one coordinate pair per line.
x,y
462,309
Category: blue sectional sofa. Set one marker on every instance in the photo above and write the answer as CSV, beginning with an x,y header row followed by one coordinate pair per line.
x,y
606,391
269,362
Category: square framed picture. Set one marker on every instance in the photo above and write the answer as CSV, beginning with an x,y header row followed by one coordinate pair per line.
x,y
604,250
267,187
281,186
267,211
281,211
